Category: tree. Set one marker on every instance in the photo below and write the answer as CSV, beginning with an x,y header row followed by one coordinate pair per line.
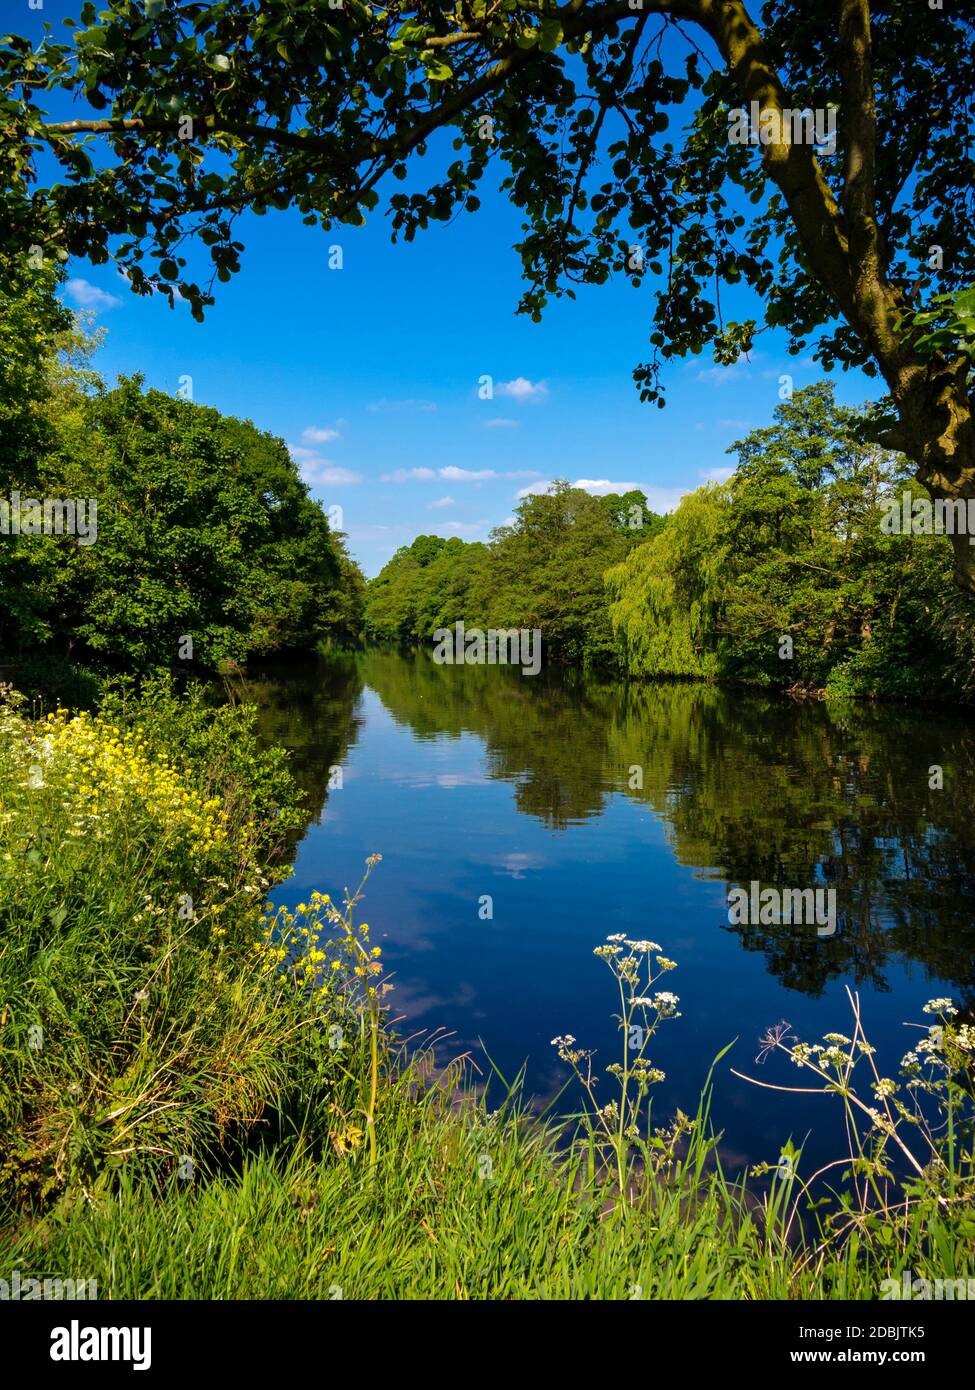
x,y
204,109
792,547
205,531
543,571
546,569
204,528
424,586
33,325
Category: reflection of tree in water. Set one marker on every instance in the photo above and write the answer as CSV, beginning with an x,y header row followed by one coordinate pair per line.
x,y
312,710
750,787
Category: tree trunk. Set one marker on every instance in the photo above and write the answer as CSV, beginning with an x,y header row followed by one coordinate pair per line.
x,y
938,435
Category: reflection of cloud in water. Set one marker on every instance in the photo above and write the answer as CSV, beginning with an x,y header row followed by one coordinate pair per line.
x,y
412,999
446,780
517,864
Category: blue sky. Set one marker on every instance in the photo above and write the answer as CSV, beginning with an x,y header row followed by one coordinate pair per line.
x,y
370,373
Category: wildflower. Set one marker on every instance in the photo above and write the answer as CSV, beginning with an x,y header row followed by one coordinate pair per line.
x,y
776,1036
944,1007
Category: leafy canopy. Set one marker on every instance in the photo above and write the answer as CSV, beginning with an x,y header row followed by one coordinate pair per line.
x,y
609,122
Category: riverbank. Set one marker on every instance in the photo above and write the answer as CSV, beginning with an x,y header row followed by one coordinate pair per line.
x,y
202,1097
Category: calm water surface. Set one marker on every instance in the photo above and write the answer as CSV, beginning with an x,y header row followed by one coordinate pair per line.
x,y
475,781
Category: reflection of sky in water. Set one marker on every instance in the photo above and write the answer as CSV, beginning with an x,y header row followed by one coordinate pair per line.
x,y
443,810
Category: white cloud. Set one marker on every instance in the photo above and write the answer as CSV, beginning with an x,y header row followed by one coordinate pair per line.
x,y
532,489
384,405
318,472
467,475
602,487
452,474
465,528
664,499
721,474
88,296
407,475
521,389
734,424
721,376
443,502
501,424
314,435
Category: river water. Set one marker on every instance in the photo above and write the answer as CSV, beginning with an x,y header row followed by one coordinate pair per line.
x,y
573,809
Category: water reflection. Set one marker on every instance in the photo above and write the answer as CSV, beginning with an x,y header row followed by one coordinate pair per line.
x,y
750,788
582,809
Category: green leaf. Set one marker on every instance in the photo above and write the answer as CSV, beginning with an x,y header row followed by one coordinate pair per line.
x,y
552,35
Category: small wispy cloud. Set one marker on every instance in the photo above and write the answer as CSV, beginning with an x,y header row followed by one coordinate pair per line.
x,y
721,376
88,296
319,472
734,424
316,435
408,475
443,502
521,389
325,473
452,474
501,424
721,474
724,373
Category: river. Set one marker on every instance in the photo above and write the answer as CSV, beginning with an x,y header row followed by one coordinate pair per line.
x,y
572,809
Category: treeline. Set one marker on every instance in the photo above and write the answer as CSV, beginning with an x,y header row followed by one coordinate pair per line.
x,y
196,545
543,571
789,574
786,576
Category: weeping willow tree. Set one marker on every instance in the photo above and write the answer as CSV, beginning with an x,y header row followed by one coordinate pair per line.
x,y
666,596
783,576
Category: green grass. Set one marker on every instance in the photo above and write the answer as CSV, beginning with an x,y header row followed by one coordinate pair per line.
x,y
213,1106
456,1206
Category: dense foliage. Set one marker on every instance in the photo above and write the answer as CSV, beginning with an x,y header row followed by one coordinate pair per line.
x,y
543,571
206,547
784,575
844,206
